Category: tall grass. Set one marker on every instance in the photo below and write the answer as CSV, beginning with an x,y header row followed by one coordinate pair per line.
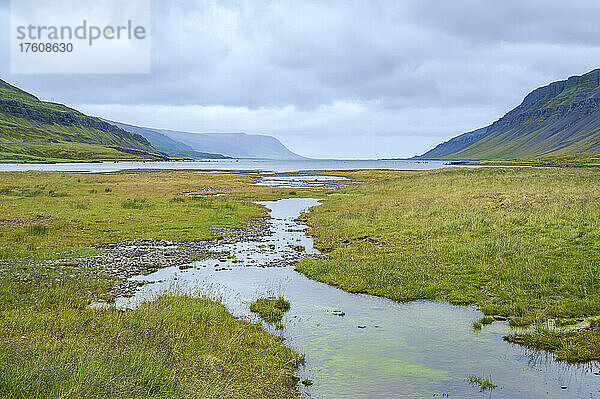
x,y
52,346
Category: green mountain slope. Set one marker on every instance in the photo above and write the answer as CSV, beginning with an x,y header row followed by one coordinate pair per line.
x,y
557,120
34,130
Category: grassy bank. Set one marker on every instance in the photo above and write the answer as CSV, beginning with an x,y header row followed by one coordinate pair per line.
x,y
63,152
521,243
52,346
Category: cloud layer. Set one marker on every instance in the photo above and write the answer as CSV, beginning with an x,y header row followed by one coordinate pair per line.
x,y
339,78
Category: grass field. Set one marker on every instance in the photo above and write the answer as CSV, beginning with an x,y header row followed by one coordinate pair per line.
x,y
585,160
522,243
52,346
43,215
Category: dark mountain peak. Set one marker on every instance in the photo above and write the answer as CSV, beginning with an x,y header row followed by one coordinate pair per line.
x,y
564,92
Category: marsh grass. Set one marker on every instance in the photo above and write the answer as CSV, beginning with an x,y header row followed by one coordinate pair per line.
x,y
564,322
53,346
137,207
483,383
519,242
484,321
570,346
270,310
136,203
37,230
516,321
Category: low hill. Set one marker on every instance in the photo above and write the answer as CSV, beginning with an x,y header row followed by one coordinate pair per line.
x,y
557,120
34,130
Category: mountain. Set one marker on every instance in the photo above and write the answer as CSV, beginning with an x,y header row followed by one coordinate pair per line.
x,y
560,119
165,144
34,130
236,145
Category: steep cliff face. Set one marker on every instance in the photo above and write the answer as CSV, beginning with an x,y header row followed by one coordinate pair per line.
x,y
562,118
28,125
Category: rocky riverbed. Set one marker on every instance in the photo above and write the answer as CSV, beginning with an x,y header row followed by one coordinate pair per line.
x,y
123,260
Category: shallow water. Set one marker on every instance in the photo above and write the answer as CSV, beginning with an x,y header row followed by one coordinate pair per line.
x,y
302,181
258,165
406,350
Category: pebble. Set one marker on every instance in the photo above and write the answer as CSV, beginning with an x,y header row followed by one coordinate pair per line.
x,y
126,259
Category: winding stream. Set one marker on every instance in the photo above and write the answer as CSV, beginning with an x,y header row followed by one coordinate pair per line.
x,y
402,350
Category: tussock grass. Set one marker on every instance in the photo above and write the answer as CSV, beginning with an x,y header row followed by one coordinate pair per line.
x,y
270,310
136,203
484,321
519,242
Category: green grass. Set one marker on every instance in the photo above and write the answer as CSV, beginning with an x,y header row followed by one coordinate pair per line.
x,y
484,321
484,383
270,310
51,346
62,152
588,160
43,215
521,243
569,346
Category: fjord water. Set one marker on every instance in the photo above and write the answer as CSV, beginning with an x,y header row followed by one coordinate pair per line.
x,y
405,350
257,165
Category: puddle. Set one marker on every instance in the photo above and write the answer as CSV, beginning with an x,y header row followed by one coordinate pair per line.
x,y
302,181
402,350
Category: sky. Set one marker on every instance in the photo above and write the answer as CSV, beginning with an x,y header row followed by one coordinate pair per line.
x,y
336,78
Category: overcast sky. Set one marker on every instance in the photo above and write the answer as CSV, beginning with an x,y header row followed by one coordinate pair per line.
x,y
337,79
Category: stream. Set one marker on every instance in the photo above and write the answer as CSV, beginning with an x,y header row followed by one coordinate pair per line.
x,y
379,348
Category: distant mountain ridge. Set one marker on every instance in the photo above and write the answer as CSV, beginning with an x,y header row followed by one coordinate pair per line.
x,y
560,119
236,145
35,130
165,144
